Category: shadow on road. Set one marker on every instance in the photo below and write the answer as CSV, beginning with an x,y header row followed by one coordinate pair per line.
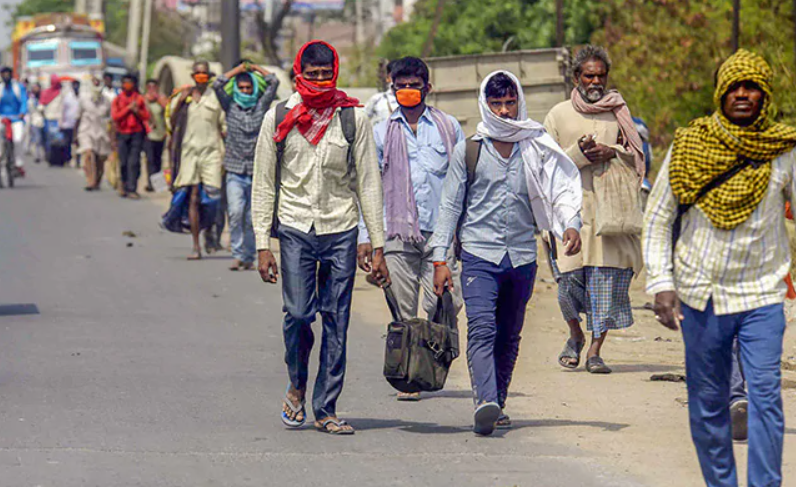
x,y
365,424
18,309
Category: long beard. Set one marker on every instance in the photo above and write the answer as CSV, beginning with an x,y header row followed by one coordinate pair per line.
x,y
591,94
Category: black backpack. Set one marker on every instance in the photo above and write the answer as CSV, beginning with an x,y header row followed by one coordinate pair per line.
x,y
348,121
418,352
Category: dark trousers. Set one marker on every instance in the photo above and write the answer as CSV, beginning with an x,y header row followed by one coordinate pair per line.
x,y
69,137
129,147
154,156
317,276
708,360
495,297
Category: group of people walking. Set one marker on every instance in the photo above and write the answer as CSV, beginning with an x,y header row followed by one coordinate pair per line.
x,y
421,208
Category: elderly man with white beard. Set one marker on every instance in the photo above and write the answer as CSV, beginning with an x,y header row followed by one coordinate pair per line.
x,y
597,131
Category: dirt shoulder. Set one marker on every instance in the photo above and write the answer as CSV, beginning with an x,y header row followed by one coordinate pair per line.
x,y
626,421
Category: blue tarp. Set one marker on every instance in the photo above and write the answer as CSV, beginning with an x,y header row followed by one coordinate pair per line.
x,y
176,218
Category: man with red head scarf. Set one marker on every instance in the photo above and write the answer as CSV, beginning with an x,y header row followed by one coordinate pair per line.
x,y
304,188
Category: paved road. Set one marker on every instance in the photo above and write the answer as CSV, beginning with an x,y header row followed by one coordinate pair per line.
x,y
143,369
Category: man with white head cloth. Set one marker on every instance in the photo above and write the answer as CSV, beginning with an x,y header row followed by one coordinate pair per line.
x,y
508,181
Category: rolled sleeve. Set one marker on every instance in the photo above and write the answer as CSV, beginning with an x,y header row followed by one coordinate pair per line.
x,y
369,191
264,183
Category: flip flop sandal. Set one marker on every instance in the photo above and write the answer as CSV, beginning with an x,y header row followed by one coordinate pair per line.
x,y
295,409
503,422
571,351
408,396
324,427
485,417
595,365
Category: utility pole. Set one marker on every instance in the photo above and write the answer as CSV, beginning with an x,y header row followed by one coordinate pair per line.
x,y
80,7
360,23
133,27
560,23
145,39
230,33
736,24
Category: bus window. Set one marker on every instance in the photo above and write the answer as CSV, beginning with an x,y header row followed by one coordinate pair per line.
x,y
85,53
42,54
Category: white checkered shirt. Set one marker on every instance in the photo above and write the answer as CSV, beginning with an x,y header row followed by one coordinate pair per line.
x,y
740,269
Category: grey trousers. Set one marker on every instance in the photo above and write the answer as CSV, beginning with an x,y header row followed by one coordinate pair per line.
x,y
412,267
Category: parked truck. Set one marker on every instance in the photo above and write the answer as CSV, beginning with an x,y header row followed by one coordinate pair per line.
x,y
544,74
66,44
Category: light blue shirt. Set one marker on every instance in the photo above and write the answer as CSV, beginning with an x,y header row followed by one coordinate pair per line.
x,y
498,218
428,161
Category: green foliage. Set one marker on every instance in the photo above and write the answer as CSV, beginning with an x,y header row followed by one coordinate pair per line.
x,y
477,26
33,7
665,54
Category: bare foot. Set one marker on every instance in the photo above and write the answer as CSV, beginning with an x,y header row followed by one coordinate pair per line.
x,y
196,255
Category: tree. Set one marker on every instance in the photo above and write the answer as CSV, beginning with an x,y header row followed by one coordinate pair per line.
x,y
269,31
665,54
477,26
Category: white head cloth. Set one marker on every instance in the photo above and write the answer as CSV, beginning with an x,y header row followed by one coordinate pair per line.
x,y
553,180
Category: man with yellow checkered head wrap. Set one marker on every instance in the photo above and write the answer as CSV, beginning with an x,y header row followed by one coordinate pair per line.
x,y
722,189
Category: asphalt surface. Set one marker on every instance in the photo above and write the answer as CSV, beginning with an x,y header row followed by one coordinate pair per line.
x,y
122,364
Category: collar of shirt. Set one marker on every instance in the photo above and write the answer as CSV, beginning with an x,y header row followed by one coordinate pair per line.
x,y
398,114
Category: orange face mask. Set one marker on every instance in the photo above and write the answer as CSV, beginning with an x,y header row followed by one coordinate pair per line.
x,y
127,86
409,97
201,78
323,84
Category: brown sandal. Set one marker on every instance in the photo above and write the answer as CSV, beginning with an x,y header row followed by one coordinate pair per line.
x,y
334,426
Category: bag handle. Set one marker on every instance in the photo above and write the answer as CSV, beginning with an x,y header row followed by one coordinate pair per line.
x,y
392,303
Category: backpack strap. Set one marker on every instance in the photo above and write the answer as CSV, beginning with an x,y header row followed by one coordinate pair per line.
x,y
349,124
281,112
472,152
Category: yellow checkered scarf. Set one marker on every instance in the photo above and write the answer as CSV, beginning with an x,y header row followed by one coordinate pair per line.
x,y
710,146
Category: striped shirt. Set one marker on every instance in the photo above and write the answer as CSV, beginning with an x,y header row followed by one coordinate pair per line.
x,y
740,269
316,185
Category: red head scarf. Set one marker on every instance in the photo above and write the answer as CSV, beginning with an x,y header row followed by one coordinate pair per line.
x,y
53,91
318,104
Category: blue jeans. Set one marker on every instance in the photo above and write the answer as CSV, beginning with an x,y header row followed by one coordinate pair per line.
x,y
708,356
239,206
317,276
495,297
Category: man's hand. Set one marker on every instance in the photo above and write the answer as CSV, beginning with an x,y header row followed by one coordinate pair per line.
x,y
586,142
599,153
443,279
134,107
266,264
379,268
667,309
571,241
365,257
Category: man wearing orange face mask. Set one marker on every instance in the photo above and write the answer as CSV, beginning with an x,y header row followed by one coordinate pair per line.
x,y
130,116
414,145
201,144
305,183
